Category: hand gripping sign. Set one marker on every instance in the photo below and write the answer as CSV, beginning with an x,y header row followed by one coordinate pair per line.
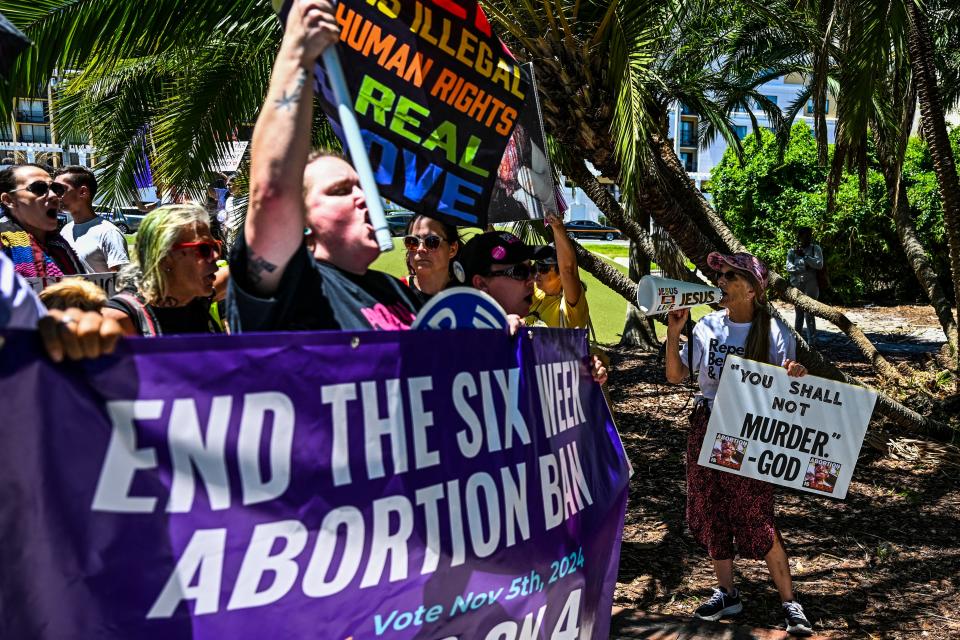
x,y
803,433
660,295
431,98
395,485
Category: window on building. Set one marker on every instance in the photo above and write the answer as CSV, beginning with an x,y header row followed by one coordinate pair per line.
x,y
34,133
688,134
6,133
689,160
32,111
772,99
826,107
686,111
741,131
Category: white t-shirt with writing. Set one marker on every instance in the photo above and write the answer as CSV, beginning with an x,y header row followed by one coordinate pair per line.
x,y
714,336
98,243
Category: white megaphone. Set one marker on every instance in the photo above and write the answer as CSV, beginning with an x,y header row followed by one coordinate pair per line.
x,y
660,295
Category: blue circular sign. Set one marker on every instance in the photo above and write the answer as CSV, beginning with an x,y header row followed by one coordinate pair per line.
x,y
461,308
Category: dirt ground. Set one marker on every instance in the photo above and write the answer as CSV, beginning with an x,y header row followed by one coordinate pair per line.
x,y
883,563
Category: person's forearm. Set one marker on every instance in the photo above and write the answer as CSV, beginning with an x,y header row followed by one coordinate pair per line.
x,y
567,264
815,259
281,138
281,143
676,370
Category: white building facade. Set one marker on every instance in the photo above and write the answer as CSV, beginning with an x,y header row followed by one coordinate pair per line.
x,y
698,161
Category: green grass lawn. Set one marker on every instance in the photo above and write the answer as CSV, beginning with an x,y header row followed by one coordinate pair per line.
x,y
608,310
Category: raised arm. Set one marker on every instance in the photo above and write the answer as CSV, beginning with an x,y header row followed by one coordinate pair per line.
x,y
676,370
566,261
281,144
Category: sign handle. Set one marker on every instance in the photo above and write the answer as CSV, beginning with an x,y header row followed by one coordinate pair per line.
x,y
358,152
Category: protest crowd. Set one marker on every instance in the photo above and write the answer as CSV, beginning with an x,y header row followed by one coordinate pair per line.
x,y
301,262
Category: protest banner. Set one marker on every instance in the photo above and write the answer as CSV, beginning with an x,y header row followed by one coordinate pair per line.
x,y
436,95
525,188
803,433
419,484
106,281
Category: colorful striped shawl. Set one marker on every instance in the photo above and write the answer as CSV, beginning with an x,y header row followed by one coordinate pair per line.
x,y
29,258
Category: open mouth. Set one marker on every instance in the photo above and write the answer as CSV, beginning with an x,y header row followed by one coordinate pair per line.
x,y
52,214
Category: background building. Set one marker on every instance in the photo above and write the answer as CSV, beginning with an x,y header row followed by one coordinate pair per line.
x,y
699,160
30,135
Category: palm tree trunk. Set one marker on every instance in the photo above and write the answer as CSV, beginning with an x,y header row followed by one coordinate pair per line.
x,y
891,146
606,273
919,262
935,128
638,329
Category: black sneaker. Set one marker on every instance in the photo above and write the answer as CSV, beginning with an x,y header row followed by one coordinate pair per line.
x,y
720,604
797,623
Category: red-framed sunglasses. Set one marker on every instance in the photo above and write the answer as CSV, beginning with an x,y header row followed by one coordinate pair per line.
x,y
205,249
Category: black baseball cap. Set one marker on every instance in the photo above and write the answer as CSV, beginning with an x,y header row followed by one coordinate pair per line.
x,y
497,247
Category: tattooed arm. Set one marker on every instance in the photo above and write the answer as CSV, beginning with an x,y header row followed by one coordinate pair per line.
x,y
281,143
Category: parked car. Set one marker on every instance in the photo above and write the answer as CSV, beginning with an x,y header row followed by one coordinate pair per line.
x,y
398,222
591,229
132,217
127,219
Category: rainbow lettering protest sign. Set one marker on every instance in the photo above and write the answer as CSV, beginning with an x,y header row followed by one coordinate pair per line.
x,y
312,485
803,433
437,96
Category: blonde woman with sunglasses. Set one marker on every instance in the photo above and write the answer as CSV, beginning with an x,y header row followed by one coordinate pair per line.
x,y
174,282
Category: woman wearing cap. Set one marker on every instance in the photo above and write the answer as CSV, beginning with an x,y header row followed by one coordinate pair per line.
x,y
171,285
722,507
431,248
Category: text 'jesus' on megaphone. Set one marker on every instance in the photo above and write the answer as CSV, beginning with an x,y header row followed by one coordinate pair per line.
x,y
660,295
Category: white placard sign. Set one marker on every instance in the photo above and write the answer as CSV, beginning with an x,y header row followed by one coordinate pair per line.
x,y
803,433
232,156
106,281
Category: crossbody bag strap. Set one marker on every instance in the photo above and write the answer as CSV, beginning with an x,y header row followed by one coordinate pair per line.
x,y
137,309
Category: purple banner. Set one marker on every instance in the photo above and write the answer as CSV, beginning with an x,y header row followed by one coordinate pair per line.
x,y
441,484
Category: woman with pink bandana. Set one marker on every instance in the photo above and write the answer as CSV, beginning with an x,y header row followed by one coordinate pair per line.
x,y
723,508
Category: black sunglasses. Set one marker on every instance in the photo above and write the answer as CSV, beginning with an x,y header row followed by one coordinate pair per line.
x,y
729,276
544,267
520,271
431,242
41,188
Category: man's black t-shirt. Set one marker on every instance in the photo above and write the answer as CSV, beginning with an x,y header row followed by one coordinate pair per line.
x,y
315,295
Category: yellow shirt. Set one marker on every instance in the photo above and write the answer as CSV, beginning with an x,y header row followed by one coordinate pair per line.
x,y
554,311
